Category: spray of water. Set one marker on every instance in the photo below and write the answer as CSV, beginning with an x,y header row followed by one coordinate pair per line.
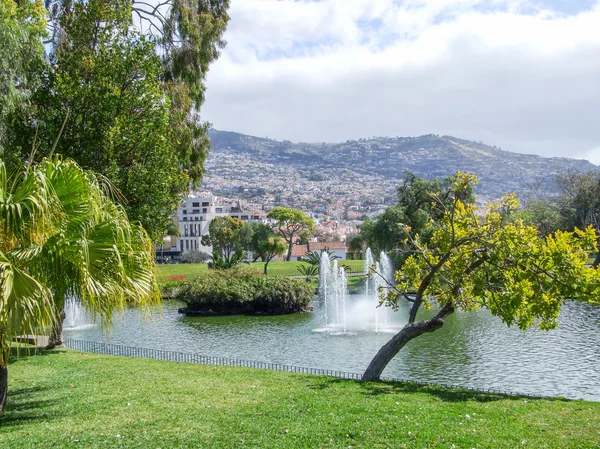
x,y
360,313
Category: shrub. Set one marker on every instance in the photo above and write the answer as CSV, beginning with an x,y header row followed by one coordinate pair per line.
x,y
223,293
194,257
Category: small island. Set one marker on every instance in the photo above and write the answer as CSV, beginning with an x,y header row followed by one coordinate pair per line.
x,y
226,293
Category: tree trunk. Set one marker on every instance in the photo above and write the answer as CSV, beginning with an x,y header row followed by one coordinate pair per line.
x,y
289,253
266,265
56,334
3,386
4,350
398,341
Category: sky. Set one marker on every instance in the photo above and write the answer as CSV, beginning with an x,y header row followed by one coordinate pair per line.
x,y
520,74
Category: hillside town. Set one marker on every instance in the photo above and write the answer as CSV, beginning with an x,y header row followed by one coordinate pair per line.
x,y
201,207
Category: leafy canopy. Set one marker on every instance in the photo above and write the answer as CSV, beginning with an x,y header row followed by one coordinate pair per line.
x,y
467,261
265,244
226,240
102,95
471,262
291,223
411,215
120,96
22,26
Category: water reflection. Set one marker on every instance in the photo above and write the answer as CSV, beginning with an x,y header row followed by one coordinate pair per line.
x,y
472,349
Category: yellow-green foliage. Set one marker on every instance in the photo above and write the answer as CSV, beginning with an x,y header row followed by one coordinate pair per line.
x,y
474,261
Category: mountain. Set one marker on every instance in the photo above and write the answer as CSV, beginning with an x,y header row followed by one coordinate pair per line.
x,y
384,159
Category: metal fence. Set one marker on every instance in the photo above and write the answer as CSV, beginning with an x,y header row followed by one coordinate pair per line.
x,y
187,357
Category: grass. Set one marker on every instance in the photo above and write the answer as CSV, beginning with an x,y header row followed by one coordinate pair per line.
x,y
184,271
69,399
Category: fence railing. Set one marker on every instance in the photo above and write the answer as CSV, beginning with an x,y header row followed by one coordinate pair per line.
x,y
188,357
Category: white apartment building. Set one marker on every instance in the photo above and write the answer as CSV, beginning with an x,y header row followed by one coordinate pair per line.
x,y
196,213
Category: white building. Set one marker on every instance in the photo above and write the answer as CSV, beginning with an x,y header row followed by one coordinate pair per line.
x,y
196,213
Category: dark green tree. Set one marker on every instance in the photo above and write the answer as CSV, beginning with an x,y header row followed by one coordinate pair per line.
x,y
122,97
223,236
103,104
188,35
542,214
419,201
291,223
579,202
356,245
22,27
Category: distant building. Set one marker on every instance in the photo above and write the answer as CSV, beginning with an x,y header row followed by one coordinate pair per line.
x,y
195,214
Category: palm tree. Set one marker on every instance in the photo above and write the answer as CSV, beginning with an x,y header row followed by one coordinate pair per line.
x,y
68,239
25,303
314,261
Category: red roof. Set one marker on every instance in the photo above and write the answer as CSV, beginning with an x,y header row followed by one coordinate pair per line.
x,y
299,250
318,246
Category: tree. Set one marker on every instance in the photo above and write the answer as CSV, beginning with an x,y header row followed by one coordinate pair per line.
x,y
411,215
122,97
22,26
244,237
223,236
62,236
356,245
291,223
542,214
260,234
265,244
188,35
272,247
103,99
579,203
468,262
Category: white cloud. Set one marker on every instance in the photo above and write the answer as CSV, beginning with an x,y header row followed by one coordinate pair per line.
x,y
511,73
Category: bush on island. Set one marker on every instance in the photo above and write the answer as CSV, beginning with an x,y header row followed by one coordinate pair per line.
x,y
225,293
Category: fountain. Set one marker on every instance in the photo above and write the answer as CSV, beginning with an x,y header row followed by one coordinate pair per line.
x,y
359,312
75,315
333,293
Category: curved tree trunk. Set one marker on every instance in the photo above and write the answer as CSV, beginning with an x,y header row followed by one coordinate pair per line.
x,y
398,341
56,334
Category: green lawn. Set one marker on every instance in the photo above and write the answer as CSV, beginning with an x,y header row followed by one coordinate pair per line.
x,y
184,271
68,399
